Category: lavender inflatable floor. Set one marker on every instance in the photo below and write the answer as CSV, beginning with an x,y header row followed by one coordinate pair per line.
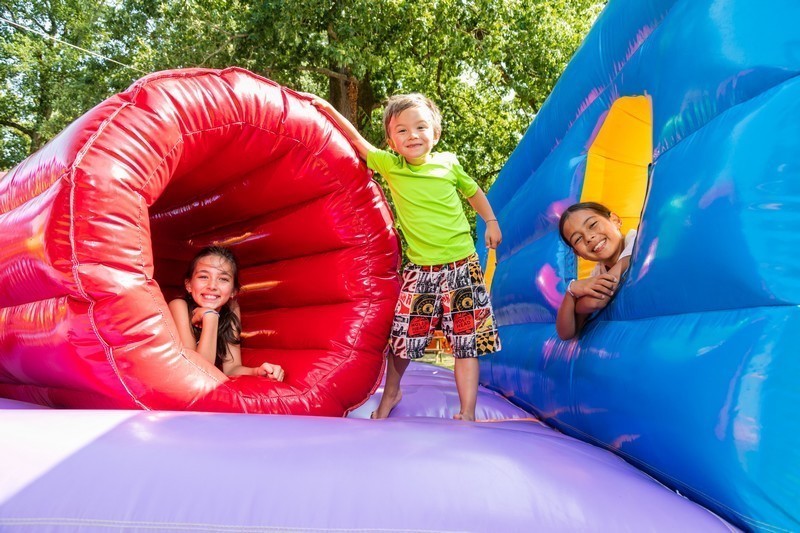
x,y
84,470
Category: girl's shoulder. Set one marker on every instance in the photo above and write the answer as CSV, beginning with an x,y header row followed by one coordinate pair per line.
x,y
178,304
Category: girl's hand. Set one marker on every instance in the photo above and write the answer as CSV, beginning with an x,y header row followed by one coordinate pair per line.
x,y
202,315
601,287
271,371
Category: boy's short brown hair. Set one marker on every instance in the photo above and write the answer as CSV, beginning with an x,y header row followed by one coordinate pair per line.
x,y
400,102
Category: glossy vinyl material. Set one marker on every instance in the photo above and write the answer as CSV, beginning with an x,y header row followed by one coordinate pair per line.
x,y
692,371
222,472
97,228
429,391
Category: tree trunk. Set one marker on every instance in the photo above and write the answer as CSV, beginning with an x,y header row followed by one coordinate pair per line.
x,y
344,94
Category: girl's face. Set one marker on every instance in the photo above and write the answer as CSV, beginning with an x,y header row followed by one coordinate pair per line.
x,y
412,134
211,284
595,237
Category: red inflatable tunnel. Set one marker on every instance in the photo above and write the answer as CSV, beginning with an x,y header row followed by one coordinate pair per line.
x,y
97,228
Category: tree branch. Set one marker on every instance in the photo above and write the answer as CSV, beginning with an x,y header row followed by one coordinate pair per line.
x,y
53,22
7,12
19,127
329,73
224,45
509,82
483,177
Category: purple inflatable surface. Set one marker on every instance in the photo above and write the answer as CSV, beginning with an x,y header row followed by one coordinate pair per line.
x,y
429,391
169,471
139,471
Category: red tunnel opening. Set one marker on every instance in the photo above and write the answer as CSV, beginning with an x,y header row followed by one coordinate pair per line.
x,y
181,160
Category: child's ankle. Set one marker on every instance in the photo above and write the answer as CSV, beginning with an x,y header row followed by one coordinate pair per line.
x,y
392,393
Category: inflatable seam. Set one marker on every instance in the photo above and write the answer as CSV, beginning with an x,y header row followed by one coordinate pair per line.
x,y
75,264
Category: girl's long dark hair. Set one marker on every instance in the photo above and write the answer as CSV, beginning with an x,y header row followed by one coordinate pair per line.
x,y
600,209
230,327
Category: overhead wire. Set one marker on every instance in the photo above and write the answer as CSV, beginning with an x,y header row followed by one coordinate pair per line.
x,y
60,41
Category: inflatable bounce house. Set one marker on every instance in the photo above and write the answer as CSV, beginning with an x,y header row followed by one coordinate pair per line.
x,y
684,118
97,231
681,115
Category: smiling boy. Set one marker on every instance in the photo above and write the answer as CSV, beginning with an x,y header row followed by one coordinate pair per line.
x,y
443,283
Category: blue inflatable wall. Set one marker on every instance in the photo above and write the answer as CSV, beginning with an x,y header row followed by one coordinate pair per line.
x,y
692,372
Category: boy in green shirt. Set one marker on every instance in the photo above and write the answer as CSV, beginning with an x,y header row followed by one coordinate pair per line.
x,y
443,285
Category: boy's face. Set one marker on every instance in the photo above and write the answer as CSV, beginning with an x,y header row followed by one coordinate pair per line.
x,y
412,134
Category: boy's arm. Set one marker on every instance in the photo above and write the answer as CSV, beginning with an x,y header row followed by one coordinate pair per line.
x,y
481,205
362,145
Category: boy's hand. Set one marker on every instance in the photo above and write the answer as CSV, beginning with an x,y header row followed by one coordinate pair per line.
x,y
362,146
493,234
316,101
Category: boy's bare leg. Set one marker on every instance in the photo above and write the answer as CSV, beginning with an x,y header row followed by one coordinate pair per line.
x,y
467,374
395,368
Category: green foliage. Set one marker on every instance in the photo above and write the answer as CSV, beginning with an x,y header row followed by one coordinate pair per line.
x,y
489,64
44,84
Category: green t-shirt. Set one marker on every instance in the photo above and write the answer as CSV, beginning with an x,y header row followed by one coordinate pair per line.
x,y
429,210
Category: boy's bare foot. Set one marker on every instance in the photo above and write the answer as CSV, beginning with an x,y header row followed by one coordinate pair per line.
x,y
462,416
388,402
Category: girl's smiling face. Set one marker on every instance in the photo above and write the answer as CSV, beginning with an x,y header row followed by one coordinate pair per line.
x,y
212,282
594,237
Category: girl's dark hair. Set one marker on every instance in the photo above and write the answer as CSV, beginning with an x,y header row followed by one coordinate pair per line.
x,y
600,209
230,327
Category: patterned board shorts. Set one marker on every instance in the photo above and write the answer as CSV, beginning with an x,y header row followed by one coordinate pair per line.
x,y
452,297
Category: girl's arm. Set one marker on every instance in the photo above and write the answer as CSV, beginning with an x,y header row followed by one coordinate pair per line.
x,y
568,322
207,345
362,145
232,365
620,267
481,205
605,286
588,295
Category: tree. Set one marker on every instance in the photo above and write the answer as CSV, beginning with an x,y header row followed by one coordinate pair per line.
x,y
45,84
489,64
